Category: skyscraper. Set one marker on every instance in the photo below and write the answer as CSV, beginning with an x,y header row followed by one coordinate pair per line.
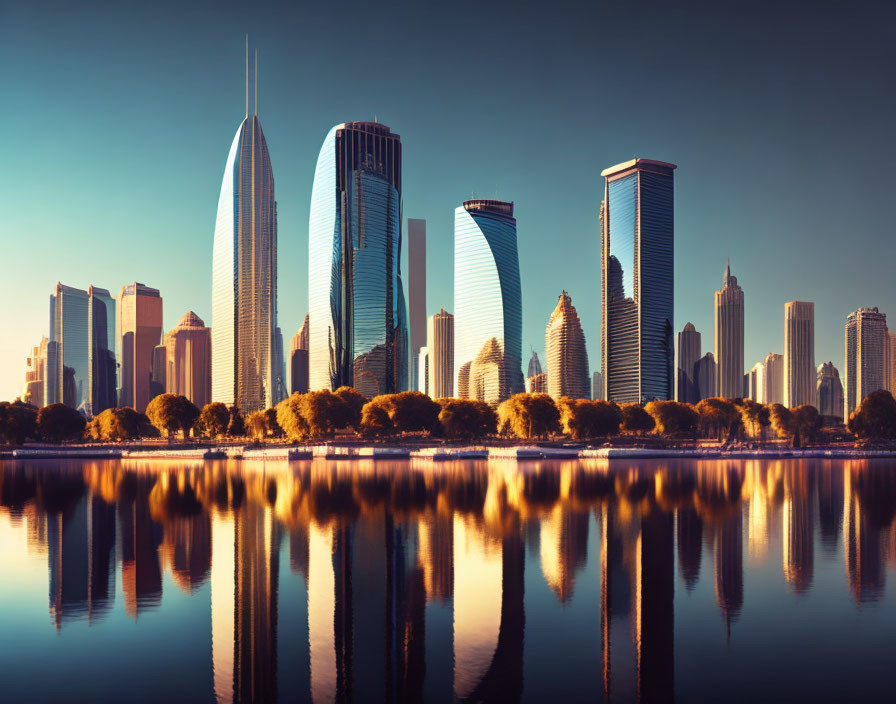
x,y
637,235
358,321
773,378
799,353
416,290
705,376
102,367
829,392
423,379
298,360
440,352
867,343
35,370
567,358
729,337
891,358
755,380
689,350
279,368
244,271
189,360
488,309
597,386
536,380
68,348
140,330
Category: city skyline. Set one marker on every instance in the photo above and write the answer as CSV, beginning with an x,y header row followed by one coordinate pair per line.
x,y
188,194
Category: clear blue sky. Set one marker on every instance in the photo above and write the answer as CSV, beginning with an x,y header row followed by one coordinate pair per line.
x,y
117,119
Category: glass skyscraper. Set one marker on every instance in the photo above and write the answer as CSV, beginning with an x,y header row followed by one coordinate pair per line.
x,y
637,235
68,360
488,310
358,332
244,273
102,368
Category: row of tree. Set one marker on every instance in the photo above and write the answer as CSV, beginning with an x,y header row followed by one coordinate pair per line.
x,y
320,414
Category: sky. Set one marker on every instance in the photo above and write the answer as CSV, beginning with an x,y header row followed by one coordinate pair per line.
x,y
118,118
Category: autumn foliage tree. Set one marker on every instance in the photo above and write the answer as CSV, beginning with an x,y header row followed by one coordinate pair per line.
x,y
583,419
236,426
875,417
528,416
719,417
214,419
18,422
354,402
375,421
172,413
463,419
409,411
783,423
58,423
263,424
672,417
116,424
635,419
754,417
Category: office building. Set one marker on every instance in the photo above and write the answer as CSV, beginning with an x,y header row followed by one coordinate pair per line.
x,y
799,353
637,229
597,386
416,291
567,357
705,376
440,353
140,331
102,367
423,378
689,351
773,378
189,360
35,371
729,337
298,360
867,347
829,392
68,348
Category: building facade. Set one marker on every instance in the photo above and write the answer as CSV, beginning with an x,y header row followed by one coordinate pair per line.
x,y
637,291
537,384
689,351
440,352
358,320
488,325
244,273
140,331
867,352
567,357
102,366
799,353
68,350
729,337
705,374
188,369
298,360
773,378
829,392
35,372
597,386
754,383
416,292
423,378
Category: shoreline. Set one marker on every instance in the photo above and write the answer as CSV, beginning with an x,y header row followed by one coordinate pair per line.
x,y
434,454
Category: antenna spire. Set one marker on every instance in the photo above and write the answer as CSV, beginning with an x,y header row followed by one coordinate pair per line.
x,y
256,81
247,75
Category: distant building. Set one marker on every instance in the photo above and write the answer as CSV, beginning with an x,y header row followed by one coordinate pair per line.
x,y
829,392
534,365
189,360
799,353
705,375
891,358
867,348
423,378
35,370
729,338
689,351
537,384
773,378
567,357
298,360
488,308
440,353
139,331
68,348
416,293
754,388
102,367
637,282
159,378
597,386
278,365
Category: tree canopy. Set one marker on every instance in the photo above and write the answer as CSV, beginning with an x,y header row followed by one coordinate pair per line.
x,y
463,419
875,417
583,419
58,423
672,417
214,420
635,419
116,424
528,416
18,422
172,413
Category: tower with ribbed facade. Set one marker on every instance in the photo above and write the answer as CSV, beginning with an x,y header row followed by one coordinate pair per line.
x,y
689,350
440,354
244,271
867,343
729,337
358,333
799,353
567,358
488,313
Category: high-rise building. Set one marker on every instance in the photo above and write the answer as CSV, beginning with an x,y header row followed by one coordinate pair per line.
x,y
35,371
867,344
754,382
891,359
537,384
423,378
358,320
298,360
102,367
244,271
534,370
279,366
773,378
597,386
488,309
637,236
416,291
68,348
799,353
705,376
829,392
567,358
689,351
140,329
189,360
159,378
440,351
729,337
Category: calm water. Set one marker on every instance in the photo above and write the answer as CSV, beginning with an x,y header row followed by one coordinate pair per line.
x,y
474,581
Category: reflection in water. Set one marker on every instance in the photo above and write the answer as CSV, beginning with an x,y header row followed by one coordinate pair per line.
x,y
378,543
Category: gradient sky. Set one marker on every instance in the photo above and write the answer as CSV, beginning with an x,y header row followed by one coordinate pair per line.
x,y
118,117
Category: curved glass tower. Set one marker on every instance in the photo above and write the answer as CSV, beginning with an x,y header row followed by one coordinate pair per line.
x,y
357,319
244,274
488,310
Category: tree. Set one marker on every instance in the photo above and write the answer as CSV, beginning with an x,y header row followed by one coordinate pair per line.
x,y
409,411
528,416
115,425
214,419
256,424
57,423
172,413
290,418
463,419
18,422
375,421
236,427
719,417
807,421
635,419
754,417
672,417
323,411
874,418
582,418
783,423
354,402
